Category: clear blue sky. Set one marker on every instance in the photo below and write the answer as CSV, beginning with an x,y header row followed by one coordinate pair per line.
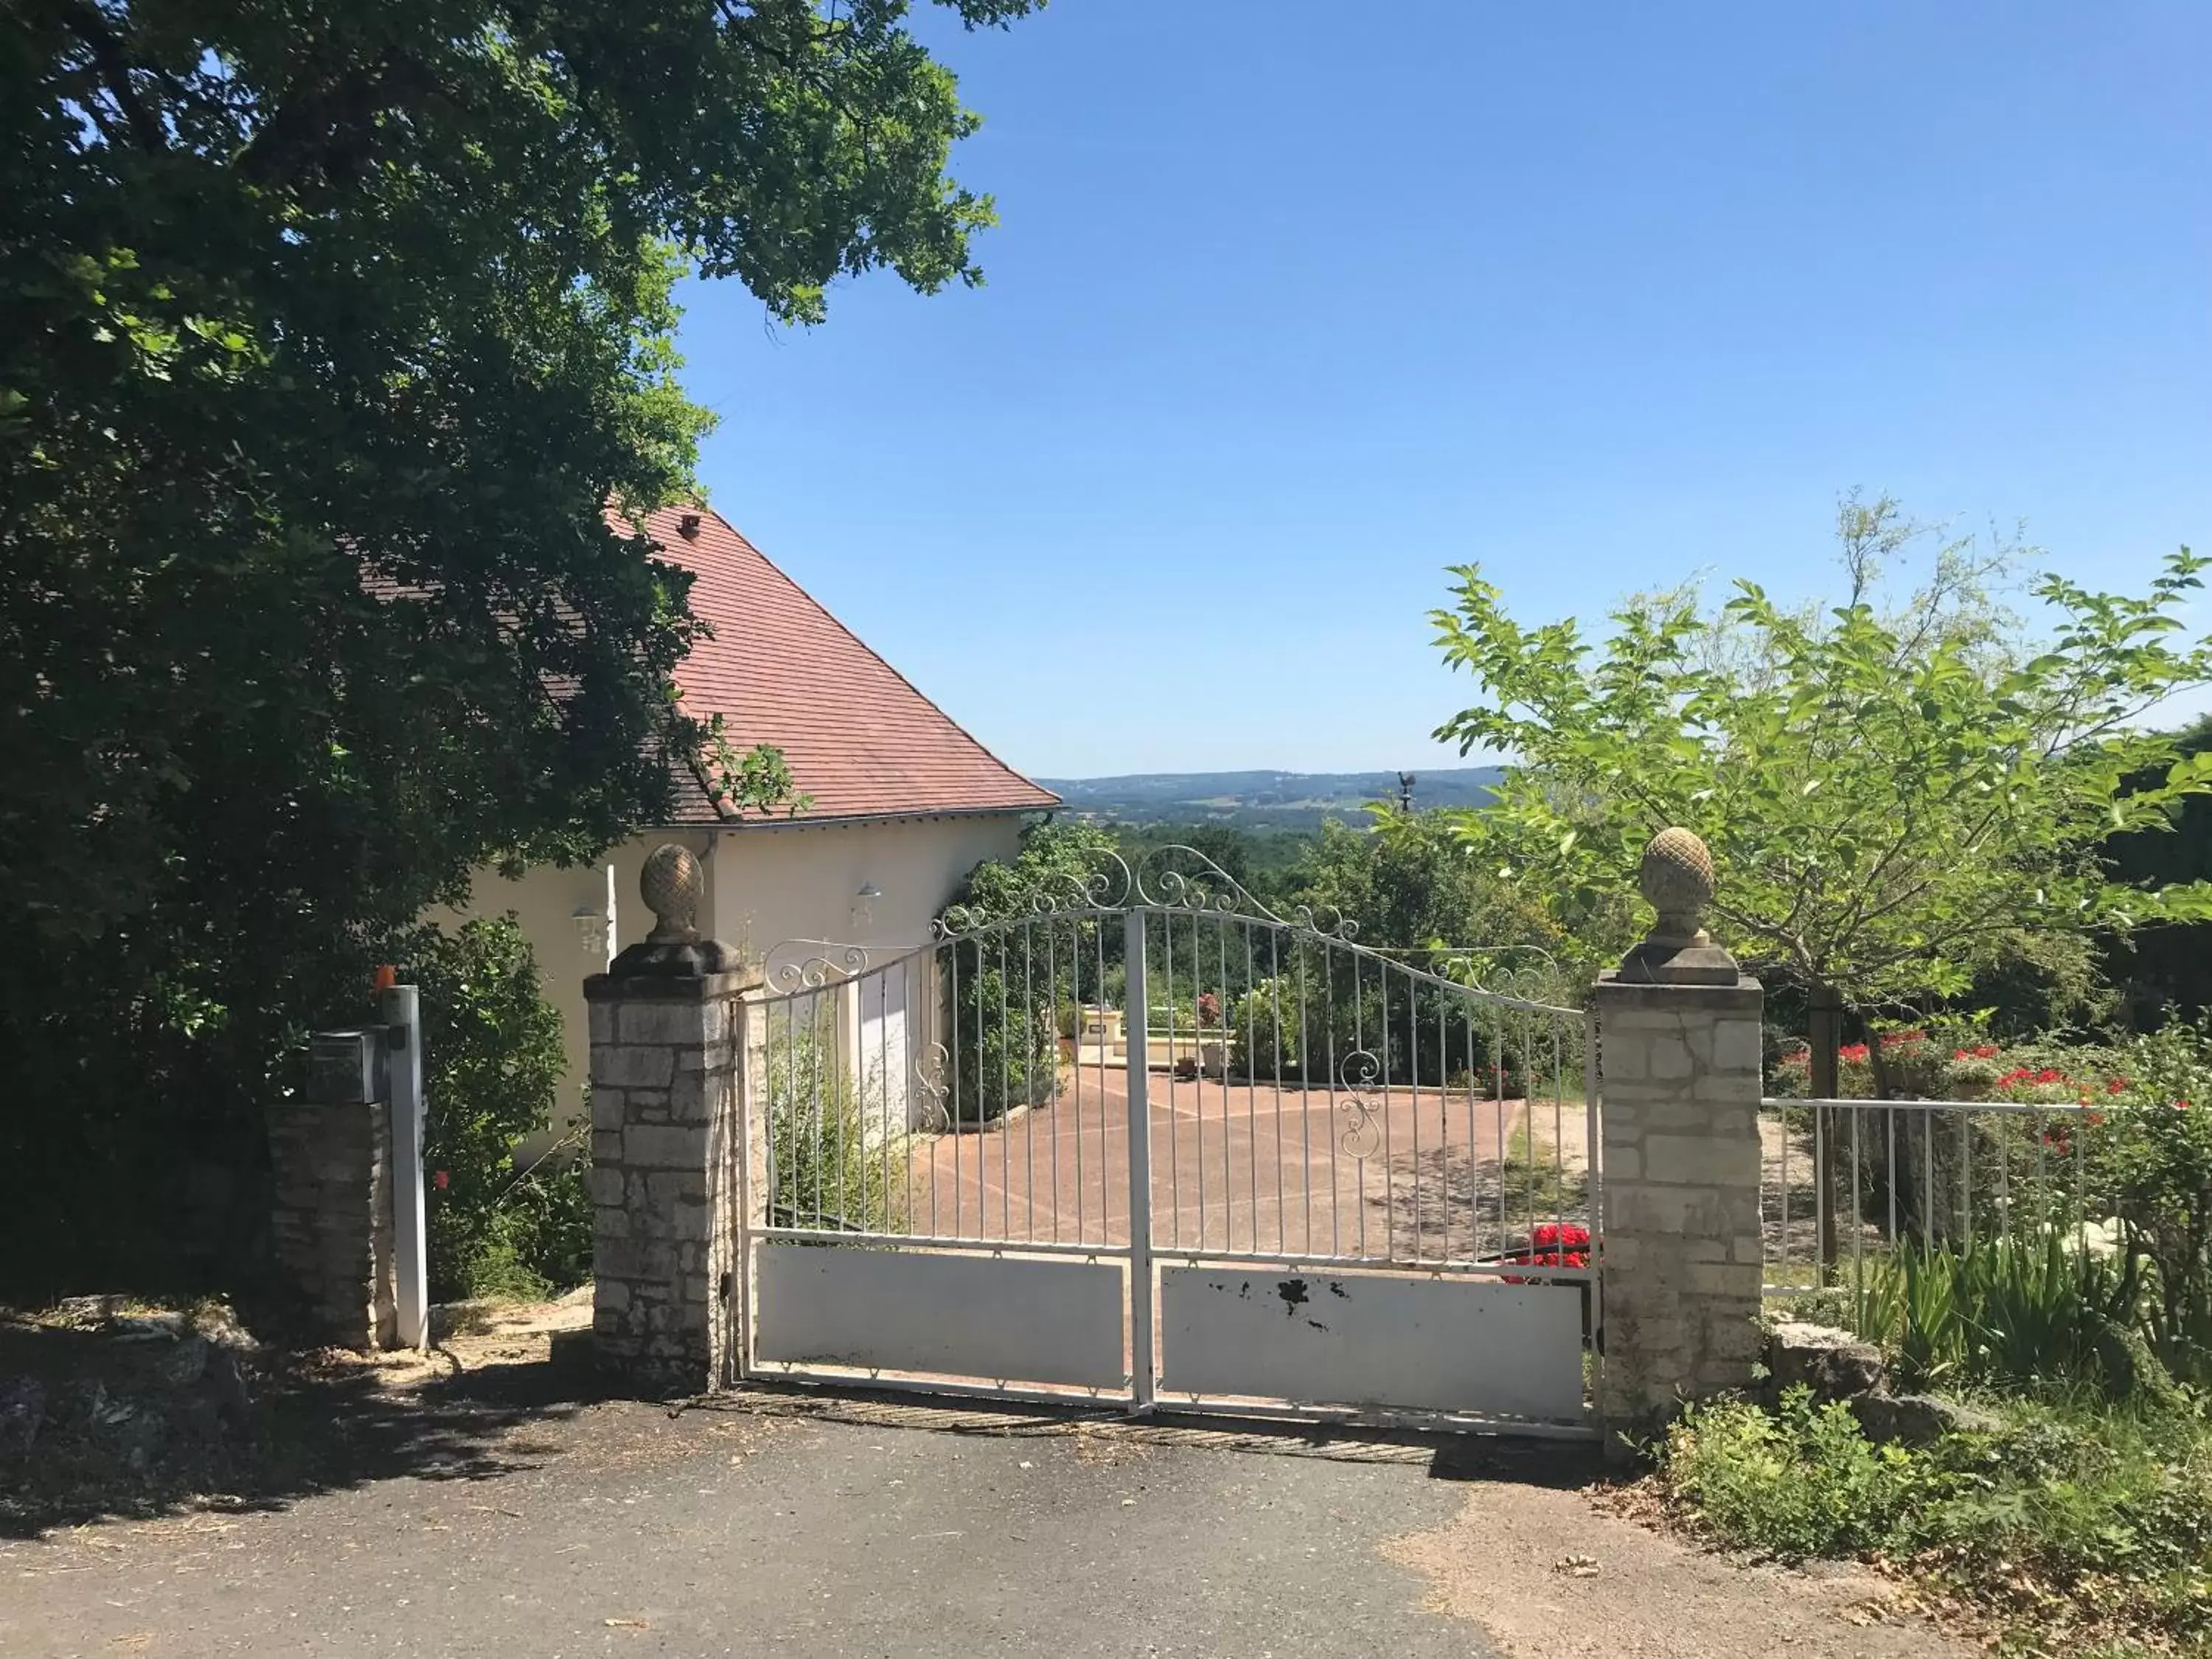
x,y
1293,304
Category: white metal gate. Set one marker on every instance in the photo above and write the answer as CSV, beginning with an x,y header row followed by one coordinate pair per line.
x,y
1143,1141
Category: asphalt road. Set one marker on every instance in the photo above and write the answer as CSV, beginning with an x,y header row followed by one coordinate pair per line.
x,y
872,1530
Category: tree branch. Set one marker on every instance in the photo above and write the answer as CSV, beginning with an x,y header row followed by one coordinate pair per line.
x,y
84,20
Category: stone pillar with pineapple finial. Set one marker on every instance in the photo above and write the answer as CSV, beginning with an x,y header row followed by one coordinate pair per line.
x,y
676,1039
1678,1029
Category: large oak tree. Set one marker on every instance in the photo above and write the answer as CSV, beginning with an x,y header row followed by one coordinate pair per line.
x,y
326,331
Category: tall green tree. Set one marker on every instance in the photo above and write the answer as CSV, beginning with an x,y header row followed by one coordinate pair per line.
x,y
1890,795
327,333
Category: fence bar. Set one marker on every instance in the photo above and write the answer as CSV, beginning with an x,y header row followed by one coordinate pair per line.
x,y
1950,1184
1142,1372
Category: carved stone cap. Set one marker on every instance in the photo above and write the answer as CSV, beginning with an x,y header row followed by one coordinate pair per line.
x,y
1676,880
673,886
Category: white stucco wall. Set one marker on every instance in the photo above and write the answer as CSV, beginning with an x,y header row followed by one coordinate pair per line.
x,y
768,885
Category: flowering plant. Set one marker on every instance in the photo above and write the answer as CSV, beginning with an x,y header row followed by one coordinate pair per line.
x,y
1551,1245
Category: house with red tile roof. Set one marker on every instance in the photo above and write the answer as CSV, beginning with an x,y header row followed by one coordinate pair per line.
x,y
903,801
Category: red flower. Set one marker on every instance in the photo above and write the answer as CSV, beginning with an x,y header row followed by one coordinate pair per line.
x,y
1985,1051
2116,1086
1852,1054
441,1181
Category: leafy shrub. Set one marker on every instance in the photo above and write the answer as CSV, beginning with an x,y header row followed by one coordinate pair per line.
x,y
493,1065
2092,1505
1264,1030
2151,1151
1005,1056
1802,1482
830,1172
2074,1525
1003,990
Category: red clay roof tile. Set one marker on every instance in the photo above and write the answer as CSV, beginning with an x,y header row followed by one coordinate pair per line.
x,y
780,669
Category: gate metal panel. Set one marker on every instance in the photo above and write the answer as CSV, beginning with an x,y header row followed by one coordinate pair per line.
x,y
1010,1319
1298,1104
1459,1346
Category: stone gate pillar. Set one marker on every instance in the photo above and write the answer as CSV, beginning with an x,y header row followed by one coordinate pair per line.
x,y
1679,1029
672,1026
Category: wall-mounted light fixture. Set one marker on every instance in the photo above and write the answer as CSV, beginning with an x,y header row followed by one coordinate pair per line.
x,y
864,902
592,931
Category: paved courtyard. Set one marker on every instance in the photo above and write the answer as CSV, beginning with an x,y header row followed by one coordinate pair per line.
x,y
1411,1173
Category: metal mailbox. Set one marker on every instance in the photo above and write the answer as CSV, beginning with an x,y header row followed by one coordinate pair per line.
x,y
350,1068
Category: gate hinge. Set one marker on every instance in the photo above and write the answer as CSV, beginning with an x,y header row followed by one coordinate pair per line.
x,y
724,1286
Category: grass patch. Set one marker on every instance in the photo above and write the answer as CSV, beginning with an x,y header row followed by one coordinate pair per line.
x,y
1534,1178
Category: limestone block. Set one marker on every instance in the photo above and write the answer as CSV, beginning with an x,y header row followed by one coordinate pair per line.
x,y
1833,1364
657,1023
610,1108
1738,1281
1627,1057
604,1183
1702,1160
628,1067
1736,1046
663,1146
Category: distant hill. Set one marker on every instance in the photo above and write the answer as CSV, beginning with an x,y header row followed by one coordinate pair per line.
x,y
1262,801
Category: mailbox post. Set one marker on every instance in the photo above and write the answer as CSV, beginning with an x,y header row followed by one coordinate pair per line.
x,y
401,1008
349,1157
330,1154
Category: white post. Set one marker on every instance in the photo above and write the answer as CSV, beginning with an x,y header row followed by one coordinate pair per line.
x,y
401,1008
613,919
1142,1371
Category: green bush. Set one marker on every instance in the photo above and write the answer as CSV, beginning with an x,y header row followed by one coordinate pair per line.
x,y
1004,1055
1802,1482
1265,1035
493,1065
1011,967
829,1173
2074,1524
2152,1156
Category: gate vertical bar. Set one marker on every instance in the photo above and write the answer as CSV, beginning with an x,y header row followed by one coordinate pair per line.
x,y
1594,1139
1142,1371
738,1364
